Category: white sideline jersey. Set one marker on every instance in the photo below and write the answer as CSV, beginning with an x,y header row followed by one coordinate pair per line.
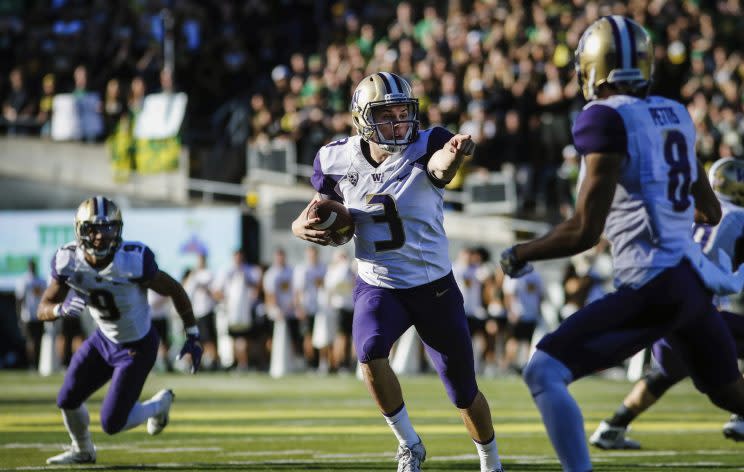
x,y
725,236
652,212
397,208
117,298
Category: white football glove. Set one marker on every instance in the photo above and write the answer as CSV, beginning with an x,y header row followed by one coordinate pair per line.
x,y
73,306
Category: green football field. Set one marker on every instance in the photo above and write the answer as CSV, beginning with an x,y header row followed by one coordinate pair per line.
x,y
308,422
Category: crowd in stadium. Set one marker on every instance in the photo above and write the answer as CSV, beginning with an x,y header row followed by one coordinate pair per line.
x,y
256,71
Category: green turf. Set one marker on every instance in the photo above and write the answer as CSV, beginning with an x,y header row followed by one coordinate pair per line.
x,y
252,422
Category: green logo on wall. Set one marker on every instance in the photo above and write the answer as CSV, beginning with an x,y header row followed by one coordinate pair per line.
x,y
55,235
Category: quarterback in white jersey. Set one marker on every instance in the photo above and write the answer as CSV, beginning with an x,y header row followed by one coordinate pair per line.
x,y
111,278
644,188
391,176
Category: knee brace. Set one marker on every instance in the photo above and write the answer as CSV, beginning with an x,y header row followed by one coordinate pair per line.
x,y
543,372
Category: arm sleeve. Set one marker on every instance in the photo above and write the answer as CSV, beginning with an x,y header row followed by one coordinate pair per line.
x,y
600,128
325,184
149,266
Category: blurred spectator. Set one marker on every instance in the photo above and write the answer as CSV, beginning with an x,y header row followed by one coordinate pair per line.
x,y
279,299
113,107
28,295
160,309
44,112
238,290
307,283
338,284
470,275
522,298
88,106
198,285
18,107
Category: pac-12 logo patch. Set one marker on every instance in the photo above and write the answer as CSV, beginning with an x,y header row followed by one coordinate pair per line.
x,y
353,177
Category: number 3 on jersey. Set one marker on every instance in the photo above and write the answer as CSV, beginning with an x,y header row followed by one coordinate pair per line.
x,y
675,154
392,218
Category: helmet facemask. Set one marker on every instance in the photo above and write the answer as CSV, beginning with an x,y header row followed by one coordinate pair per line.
x,y
110,237
375,130
382,90
98,227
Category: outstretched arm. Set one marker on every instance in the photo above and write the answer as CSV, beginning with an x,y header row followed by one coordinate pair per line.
x,y
583,229
167,286
444,163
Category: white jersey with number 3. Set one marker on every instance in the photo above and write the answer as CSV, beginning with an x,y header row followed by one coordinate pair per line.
x,y
397,208
117,298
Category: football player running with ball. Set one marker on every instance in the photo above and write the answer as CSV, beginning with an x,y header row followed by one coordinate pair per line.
x,y
111,277
391,176
727,180
642,186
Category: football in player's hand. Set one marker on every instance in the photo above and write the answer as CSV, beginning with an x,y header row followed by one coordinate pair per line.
x,y
334,217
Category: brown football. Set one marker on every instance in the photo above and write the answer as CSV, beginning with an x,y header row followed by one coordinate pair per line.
x,y
334,217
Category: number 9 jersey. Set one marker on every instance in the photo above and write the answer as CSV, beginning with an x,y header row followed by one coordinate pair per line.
x,y
652,211
397,208
117,297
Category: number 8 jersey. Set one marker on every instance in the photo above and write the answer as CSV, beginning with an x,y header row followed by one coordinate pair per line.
x,y
397,208
117,298
650,220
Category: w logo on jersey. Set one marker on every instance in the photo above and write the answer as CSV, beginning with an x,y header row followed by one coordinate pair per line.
x,y
377,178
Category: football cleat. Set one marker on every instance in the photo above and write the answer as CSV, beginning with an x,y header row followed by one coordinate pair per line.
x,y
612,437
73,456
734,429
410,458
156,424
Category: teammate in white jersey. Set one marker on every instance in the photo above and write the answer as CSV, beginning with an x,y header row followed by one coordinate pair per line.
x,y
391,176
643,186
727,179
111,277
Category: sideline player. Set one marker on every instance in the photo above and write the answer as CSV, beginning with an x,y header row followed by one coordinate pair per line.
x,y
642,185
111,277
391,176
727,180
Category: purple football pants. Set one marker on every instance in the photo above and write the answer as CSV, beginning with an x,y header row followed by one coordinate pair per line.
x,y
675,304
672,365
98,360
382,315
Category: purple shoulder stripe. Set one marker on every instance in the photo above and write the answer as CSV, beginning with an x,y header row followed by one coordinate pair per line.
x,y
325,184
149,266
600,128
437,139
